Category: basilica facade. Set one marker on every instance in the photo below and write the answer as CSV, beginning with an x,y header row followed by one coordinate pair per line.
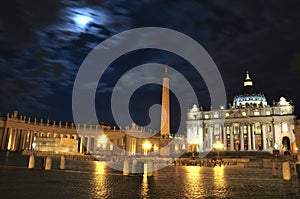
x,y
249,124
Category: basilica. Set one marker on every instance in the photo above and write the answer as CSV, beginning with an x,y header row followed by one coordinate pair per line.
x,y
248,124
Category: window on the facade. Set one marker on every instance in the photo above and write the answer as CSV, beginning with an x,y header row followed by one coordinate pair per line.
x,y
256,113
257,128
235,130
244,113
268,113
216,115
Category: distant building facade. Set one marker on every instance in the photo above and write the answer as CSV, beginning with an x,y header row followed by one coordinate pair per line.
x,y
249,124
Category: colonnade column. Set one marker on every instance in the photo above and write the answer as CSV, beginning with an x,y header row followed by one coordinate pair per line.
x,y
81,144
24,139
88,144
30,140
17,140
3,143
10,138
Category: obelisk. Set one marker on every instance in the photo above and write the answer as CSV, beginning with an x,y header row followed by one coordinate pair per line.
x,y
165,117
165,110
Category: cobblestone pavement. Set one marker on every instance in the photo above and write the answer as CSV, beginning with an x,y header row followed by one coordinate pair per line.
x,y
95,180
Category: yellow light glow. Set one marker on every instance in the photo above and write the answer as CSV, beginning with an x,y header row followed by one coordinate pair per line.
x,y
99,167
102,139
219,180
146,145
218,145
194,185
99,179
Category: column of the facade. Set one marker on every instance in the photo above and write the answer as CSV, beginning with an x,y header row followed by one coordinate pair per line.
x,y
264,140
231,138
249,137
242,137
224,137
253,137
200,132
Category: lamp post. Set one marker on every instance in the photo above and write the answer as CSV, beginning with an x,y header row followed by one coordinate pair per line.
x,y
218,146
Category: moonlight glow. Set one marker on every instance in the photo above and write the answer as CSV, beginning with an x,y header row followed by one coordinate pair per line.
x,y
82,20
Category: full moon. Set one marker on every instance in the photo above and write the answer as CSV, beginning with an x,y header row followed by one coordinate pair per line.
x,y
82,20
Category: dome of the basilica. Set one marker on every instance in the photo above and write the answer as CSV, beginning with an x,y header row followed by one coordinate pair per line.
x,y
249,95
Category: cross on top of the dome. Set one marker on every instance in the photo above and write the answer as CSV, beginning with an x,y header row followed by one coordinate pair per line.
x,y
248,81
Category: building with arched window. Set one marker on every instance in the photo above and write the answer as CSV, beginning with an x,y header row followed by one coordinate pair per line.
x,y
249,124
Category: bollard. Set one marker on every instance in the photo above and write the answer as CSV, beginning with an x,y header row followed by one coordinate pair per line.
x,y
48,163
126,167
31,163
62,162
286,171
149,168
134,165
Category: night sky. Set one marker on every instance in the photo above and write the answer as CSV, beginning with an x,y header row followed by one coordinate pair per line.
x,y
43,44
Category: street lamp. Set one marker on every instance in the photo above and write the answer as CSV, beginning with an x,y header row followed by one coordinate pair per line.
x,y
218,146
146,146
